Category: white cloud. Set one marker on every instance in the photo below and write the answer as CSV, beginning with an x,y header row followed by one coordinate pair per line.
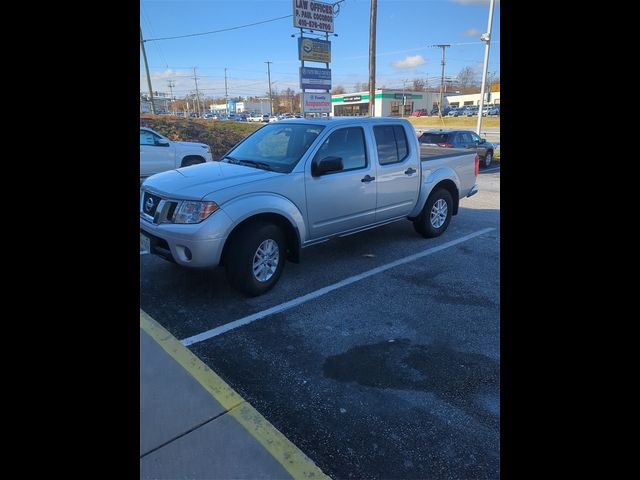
x,y
410,62
472,32
473,2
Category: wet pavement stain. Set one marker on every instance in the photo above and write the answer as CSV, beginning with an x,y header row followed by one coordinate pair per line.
x,y
462,379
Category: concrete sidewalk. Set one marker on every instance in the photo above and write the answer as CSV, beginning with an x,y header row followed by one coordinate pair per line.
x,y
194,426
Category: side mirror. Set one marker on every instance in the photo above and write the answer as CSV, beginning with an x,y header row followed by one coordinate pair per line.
x,y
162,143
326,165
482,140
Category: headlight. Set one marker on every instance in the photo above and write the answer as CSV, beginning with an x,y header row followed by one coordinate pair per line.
x,y
194,212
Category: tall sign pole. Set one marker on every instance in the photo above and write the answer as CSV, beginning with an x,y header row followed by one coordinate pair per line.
x,y
314,16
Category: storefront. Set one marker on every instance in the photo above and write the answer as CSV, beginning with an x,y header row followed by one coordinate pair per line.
x,y
388,103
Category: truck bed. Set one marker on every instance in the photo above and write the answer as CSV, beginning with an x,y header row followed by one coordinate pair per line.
x,y
429,152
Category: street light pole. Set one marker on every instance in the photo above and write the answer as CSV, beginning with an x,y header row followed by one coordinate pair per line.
x,y
404,83
487,39
270,96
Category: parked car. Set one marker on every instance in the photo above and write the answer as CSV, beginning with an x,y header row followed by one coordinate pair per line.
x,y
422,112
297,183
159,154
460,139
455,112
494,112
471,111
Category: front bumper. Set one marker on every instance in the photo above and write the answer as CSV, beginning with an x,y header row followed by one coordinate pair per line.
x,y
198,245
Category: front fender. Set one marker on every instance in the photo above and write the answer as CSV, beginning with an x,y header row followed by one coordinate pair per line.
x,y
431,178
241,208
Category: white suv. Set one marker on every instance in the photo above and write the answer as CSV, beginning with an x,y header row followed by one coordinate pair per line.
x,y
159,154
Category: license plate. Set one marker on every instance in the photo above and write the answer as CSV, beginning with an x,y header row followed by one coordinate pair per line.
x,y
145,243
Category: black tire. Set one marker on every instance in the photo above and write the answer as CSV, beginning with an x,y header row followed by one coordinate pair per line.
x,y
243,248
423,223
187,162
488,158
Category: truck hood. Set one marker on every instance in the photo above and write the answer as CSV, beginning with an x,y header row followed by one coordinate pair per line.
x,y
198,181
190,145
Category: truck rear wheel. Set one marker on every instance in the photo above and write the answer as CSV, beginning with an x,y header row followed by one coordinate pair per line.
x,y
255,258
488,158
436,214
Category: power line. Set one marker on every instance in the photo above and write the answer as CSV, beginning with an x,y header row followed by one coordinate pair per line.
x,y
146,17
217,31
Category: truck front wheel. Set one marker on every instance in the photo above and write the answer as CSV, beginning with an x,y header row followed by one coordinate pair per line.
x,y
255,258
436,214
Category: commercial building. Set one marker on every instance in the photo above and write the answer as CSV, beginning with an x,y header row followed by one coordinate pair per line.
x,y
388,103
262,107
455,100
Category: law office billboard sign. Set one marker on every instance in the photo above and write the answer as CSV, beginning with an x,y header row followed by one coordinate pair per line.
x,y
313,15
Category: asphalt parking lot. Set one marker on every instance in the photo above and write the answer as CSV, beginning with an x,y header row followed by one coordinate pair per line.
x,y
392,375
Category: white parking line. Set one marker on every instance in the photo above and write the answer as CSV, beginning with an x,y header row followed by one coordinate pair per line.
x,y
310,296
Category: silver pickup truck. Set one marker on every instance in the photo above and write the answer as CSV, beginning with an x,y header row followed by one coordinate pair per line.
x,y
295,183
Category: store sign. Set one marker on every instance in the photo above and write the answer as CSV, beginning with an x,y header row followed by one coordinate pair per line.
x,y
315,78
313,50
352,98
317,102
313,15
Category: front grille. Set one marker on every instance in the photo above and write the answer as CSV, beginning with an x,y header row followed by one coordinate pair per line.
x,y
156,209
149,204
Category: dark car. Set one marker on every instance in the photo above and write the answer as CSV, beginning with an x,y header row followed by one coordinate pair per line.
x,y
460,139
445,110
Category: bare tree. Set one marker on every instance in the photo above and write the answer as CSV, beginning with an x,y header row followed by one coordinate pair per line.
x,y
361,87
466,78
419,85
339,90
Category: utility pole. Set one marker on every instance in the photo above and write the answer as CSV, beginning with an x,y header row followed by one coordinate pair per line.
x,y
442,46
171,85
146,67
226,95
270,99
372,57
195,77
486,37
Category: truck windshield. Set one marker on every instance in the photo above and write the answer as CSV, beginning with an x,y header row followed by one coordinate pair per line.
x,y
277,146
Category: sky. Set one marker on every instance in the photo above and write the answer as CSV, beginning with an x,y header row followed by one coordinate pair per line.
x,y
406,31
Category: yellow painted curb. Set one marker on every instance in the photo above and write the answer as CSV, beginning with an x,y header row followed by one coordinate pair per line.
x,y
286,453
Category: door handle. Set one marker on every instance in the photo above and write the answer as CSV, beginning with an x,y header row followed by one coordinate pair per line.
x,y
367,178
409,171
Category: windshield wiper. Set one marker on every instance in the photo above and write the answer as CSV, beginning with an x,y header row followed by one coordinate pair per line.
x,y
231,159
253,163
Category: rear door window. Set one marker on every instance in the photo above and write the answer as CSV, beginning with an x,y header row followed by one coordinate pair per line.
x,y
391,143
